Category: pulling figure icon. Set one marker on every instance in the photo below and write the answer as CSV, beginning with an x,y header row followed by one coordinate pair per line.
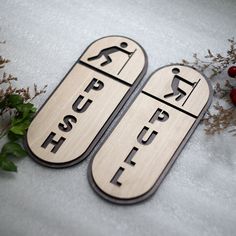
x,y
176,90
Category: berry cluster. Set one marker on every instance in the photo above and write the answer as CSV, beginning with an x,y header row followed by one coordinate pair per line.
x,y
232,74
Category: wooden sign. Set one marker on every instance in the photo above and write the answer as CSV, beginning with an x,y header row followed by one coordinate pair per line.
x,y
76,115
141,149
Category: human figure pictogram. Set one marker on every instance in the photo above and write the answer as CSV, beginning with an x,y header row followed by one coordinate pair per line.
x,y
175,86
106,52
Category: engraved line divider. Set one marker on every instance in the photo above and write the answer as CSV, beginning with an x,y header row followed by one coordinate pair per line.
x,y
104,73
169,104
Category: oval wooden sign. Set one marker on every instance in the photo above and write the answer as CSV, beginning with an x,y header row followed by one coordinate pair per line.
x,y
141,149
87,100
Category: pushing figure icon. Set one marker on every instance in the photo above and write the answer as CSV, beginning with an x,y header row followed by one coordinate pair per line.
x,y
106,52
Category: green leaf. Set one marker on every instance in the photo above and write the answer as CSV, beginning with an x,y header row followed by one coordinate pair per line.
x,y
13,137
14,149
25,111
6,164
25,107
14,100
20,128
3,104
34,109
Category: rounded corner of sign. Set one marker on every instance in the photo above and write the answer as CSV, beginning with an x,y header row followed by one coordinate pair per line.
x,y
116,200
30,152
145,57
119,201
210,90
26,143
209,95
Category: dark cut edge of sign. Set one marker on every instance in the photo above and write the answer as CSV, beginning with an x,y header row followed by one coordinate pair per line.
x,y
154,188
108,122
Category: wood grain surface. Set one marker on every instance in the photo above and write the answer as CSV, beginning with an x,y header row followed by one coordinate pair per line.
x,y
79,111
149,136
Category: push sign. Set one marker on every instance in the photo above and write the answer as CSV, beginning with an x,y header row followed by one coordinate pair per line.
x,y
132,162
79,111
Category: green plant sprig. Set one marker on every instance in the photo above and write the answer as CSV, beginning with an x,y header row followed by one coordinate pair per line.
x,y
21,116
16,113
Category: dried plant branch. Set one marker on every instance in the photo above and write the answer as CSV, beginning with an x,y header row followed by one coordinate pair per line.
x,y
9,89
222,119
16,113
212,65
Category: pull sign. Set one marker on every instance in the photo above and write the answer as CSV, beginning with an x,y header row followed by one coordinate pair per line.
x,y
141,149
87,100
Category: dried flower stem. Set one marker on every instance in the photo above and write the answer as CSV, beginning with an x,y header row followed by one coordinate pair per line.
x,y
213,64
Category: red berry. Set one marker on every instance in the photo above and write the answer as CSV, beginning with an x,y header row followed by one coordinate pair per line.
x,y
233,96
232,71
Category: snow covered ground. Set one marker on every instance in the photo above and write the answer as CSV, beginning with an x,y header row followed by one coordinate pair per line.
x,y
44,39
